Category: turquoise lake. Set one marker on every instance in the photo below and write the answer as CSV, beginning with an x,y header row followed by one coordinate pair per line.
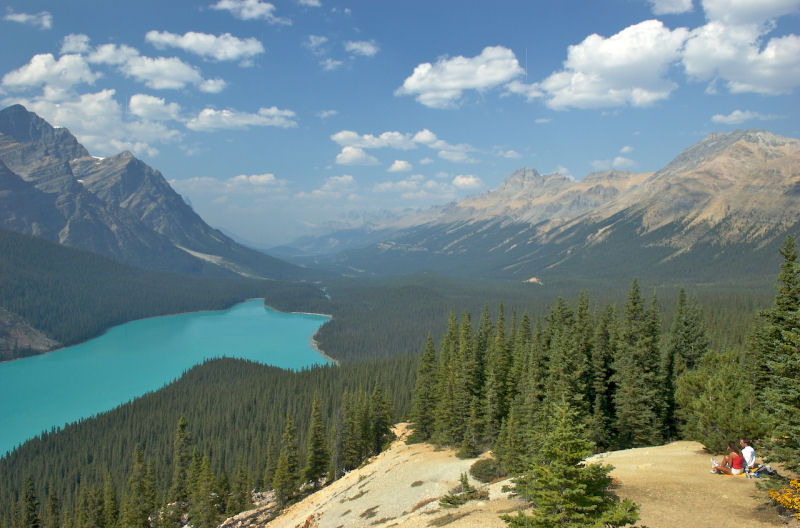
x,y
50,390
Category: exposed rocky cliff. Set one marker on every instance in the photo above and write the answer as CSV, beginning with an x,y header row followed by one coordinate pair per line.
x,y
118,206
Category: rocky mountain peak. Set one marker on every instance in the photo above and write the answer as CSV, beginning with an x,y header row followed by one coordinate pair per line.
x,y
28,128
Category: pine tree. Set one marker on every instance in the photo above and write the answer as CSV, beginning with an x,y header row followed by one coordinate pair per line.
x,y
562,490
181,458
688,343
239,498
30,507
638,395
203,513
286,473
380,421
783,397
110,505
54,511
713,401
779,365
424,399
602,385
317,451
138,504
270,462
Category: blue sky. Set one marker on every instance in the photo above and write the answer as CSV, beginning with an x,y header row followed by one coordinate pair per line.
x,y
273,118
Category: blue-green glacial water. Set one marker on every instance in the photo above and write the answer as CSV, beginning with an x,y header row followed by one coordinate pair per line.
x,y
50,390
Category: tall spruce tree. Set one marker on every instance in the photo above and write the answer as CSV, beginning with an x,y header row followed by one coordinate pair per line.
x,y
638,395
317,451
424,398
286,473
203,510
30,507
564,491
181,458
688,343
110,504
778,350
139,502
54,511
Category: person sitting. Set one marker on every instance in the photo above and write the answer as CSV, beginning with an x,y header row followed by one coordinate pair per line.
x,y
732,463
748,453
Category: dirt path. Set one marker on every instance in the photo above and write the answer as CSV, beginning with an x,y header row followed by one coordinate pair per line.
x,y
401,488
674,488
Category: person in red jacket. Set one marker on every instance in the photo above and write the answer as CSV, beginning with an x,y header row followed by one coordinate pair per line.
x,y
732,463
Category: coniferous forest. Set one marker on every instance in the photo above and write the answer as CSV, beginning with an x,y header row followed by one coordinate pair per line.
x,y
592,373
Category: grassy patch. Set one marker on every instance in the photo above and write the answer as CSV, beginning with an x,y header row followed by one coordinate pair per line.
x,y
422,503
369,513
354,497
447,519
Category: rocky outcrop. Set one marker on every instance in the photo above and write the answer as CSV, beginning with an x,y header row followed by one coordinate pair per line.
x,y
19,339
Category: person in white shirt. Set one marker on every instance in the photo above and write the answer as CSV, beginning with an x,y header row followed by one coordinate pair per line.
x,y
748,453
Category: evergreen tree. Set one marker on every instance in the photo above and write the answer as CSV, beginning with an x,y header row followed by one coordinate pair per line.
x,y
779,366
286,473
181,458
638,395
712,401
53,511
239,498
688,343
138,504
271,462
110,505
424,399
203,512
380,422
30,507
602,384
317,451
782,396
562,490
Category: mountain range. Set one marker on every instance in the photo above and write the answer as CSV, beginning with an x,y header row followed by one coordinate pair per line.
x,y
719,210
51,187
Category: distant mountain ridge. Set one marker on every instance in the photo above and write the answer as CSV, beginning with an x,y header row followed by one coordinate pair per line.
x,y
50,186
718,209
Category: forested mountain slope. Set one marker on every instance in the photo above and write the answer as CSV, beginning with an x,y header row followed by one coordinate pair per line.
x,y
69,295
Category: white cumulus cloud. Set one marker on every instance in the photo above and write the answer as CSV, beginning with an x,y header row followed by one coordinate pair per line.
x,y
75,43
365,48
153,108
97,120
212,119
442,84
389,139
745,12
251,10
400,166
223,47
740,116
467,182
627,68
355,156
737,54
331,64
670,7
333,187
44,69
42,20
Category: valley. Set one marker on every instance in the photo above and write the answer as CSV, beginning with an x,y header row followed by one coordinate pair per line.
x,y
607,299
